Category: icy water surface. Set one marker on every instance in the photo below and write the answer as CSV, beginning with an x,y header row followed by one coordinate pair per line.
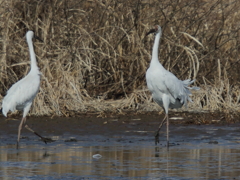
x,y
126,152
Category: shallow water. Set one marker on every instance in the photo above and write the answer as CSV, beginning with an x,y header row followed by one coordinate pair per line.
x,y
142,160
197,152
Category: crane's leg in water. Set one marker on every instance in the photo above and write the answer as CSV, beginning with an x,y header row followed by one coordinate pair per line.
x,y
167,133
166,102
157,132
23,121
19,129
46,140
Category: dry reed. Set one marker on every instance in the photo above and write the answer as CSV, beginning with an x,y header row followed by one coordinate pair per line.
x,y
95,54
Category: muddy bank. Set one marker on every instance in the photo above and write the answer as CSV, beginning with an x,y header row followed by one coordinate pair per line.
x,y
182,126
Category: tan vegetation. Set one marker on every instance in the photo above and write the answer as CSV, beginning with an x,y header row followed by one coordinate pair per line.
x,y
95,54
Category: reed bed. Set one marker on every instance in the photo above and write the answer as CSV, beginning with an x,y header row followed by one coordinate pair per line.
x,y
94,53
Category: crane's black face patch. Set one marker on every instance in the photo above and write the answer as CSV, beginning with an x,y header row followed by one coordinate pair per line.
x,y
151,31
38,38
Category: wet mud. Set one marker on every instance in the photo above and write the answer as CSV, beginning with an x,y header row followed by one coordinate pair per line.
x,y
121,147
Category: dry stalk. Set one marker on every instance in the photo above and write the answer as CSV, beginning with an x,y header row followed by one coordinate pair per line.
x,y
95,53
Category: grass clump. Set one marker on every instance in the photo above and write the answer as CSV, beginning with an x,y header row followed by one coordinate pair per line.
x,y
95,54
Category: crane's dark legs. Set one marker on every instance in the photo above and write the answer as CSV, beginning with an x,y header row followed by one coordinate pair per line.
x,y
46,140
157,132
160,126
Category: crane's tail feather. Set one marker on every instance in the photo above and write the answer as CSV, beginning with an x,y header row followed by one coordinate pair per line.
x,y
187,89
194,88
188,82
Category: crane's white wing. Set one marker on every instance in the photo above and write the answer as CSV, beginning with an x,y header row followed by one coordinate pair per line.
x,y
21,93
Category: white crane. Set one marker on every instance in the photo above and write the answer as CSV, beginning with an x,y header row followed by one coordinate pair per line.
x,y
21,95
167,90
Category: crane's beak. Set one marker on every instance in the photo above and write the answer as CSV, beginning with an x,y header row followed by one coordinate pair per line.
x,y
150,32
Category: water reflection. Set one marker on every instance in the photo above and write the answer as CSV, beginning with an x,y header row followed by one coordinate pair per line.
x,y
187,161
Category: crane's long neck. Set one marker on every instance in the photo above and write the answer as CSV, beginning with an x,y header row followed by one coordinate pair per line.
x,y
155,49
33,59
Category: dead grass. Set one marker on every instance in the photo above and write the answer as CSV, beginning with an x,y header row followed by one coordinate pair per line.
x,y
94,55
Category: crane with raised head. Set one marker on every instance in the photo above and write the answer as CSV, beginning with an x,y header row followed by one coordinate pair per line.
x,y
167,90
21,95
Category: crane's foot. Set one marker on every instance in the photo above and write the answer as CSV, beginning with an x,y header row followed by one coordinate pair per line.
x,y
156,137
46,140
